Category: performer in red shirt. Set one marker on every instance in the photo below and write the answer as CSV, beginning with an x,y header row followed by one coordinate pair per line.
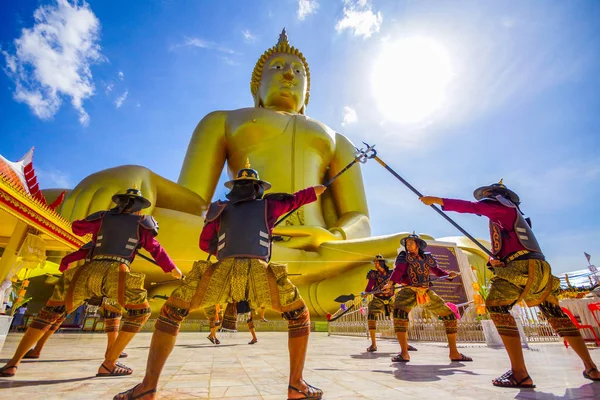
x,y
413,268
111,309
238,232
382,303
521,274
117,235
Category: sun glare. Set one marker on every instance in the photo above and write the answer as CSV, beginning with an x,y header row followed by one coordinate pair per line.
x,y
410,78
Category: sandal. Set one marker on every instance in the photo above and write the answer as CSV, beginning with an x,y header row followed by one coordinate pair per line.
x,y
253,341
6,374
371,348
28,354
399,358
118,370
462,358
508,380
128,394
212,339
123,355
586,374
411,348
311,392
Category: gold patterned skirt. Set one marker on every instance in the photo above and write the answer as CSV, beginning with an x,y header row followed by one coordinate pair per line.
x,y
528,280
99,278
236,279
406,300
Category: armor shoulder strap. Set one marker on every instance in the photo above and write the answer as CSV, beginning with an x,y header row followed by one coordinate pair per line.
x,y
401,257
95,216
278,196
430,257
148,222
215,210
371,274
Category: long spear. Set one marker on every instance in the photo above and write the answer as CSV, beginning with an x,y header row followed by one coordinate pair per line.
x,y
347,297
415,191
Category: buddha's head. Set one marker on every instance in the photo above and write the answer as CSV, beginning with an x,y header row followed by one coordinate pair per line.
x,y
281,78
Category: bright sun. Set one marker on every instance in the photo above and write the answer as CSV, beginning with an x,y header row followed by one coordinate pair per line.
x,y
410,79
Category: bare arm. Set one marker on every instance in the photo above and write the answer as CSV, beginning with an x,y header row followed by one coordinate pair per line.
x,y
206,155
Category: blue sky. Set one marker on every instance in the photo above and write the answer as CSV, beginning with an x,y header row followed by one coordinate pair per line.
x,y
126,83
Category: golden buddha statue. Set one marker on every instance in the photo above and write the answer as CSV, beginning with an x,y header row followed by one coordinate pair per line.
x,y
326,243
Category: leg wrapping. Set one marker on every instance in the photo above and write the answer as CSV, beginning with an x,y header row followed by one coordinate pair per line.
x,y
58,323
298,322
400,320
450,324
559,321
372,324
136,318
250,323
112,324
505,323
170,319
47,317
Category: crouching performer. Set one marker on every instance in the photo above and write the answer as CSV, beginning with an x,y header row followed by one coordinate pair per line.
x,y
521,274
412,269
238,232
117,235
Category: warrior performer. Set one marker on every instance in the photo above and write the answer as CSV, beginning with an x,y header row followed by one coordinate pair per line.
x,y
238,232
233,312
111,309
117,235
521,273
382,302
412,269
215,319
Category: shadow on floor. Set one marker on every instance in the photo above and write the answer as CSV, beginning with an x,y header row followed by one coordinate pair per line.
x,y
425,373
588,391
6,384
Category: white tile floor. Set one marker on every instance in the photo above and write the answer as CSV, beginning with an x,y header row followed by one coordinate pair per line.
x,y
340,366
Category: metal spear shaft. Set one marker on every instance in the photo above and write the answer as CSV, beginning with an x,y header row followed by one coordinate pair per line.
x,y
443,214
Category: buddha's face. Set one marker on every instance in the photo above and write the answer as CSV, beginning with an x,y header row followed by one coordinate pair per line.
x,y
283,83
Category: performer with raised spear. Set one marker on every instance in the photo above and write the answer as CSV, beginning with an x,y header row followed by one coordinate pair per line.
x,y
239,232
413,268
521,273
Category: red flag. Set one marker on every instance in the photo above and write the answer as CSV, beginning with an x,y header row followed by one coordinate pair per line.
x,y
587,256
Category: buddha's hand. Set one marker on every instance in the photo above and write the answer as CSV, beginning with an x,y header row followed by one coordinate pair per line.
x,y
95,192
305,237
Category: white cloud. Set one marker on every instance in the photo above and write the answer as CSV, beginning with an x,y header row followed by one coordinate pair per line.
x,y
206,44
248,36
53,58
121,99
359,16
306,7
349,116
49,178
108,87
121,75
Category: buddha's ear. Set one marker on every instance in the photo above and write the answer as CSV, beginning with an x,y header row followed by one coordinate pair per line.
x,y
301,111
257,103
